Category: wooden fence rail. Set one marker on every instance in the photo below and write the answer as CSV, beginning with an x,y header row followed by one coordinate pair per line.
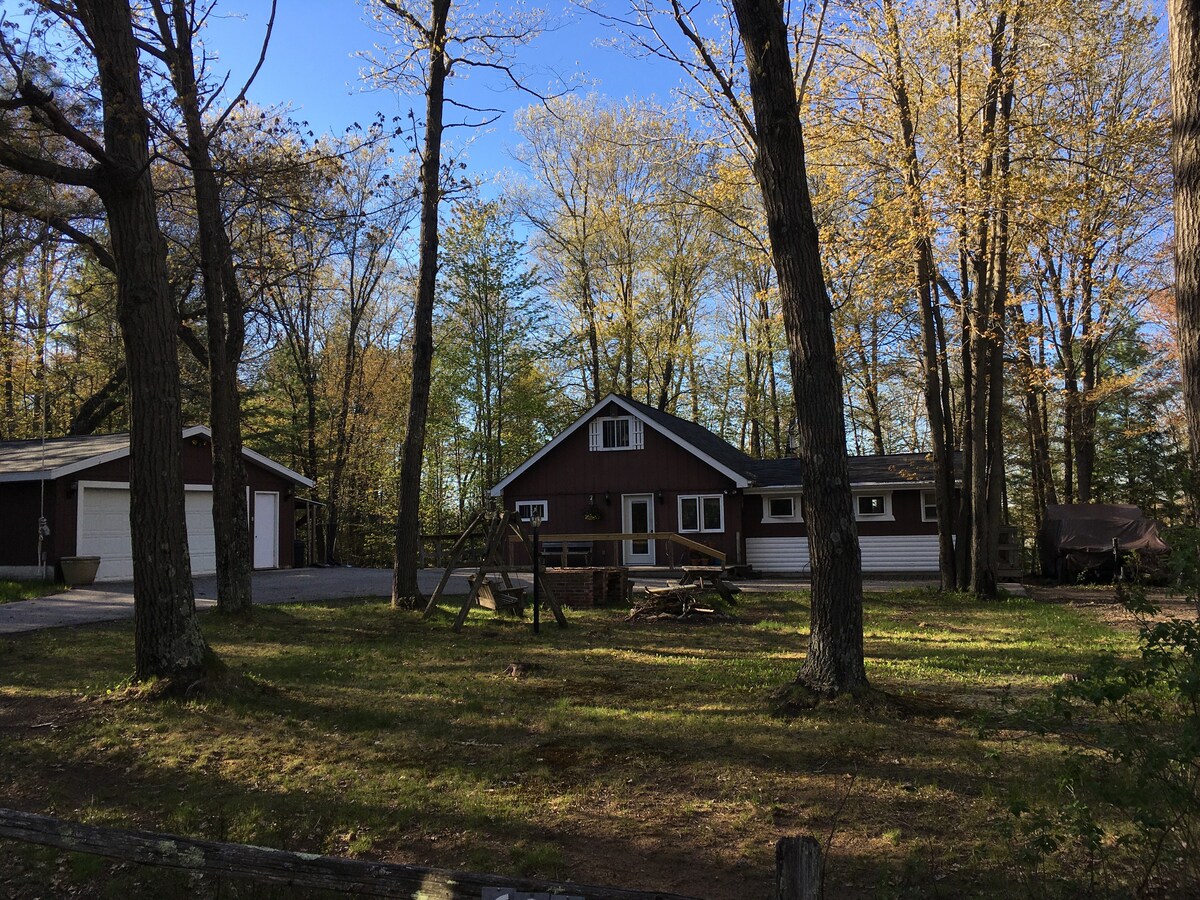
x,y
618,537
797,875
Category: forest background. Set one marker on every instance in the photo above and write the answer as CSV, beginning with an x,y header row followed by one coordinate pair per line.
x,y
624,249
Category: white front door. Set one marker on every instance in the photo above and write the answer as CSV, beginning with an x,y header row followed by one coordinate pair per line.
x,y
637,517
266,530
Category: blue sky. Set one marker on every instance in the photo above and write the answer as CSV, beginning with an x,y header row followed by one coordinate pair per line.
x,y
311,66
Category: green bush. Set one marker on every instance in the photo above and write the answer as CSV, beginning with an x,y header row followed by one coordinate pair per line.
x,y
1129,821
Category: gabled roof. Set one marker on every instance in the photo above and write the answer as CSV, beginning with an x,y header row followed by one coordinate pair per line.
x,y
59,457
744,470
696,439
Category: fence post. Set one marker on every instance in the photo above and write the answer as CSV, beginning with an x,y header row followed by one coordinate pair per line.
x,y
797,869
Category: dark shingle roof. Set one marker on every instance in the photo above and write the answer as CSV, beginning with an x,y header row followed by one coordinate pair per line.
x,y
699,437
895,468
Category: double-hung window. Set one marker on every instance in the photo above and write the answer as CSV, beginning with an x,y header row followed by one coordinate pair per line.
x,y
701,512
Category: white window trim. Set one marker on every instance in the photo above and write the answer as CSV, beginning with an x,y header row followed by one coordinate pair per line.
x,y
885,516
925,506
637,434
545,509
797,511
700,498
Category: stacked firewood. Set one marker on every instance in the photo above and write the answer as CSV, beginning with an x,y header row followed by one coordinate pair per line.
x,y
683,603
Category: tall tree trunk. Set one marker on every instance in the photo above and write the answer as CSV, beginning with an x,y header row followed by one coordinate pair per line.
x,y
962,550
925,280
167,639
404,573
990,258
1085,439
834,662
225,314
1033,402
1184,20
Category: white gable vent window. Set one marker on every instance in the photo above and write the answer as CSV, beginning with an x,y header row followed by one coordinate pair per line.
x,y
616,433
527,509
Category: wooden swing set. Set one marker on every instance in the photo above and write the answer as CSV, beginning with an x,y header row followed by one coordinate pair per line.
x,y
495,524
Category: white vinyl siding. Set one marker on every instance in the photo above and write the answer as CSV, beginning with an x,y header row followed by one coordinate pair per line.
x,y
880,553
778,554
616,433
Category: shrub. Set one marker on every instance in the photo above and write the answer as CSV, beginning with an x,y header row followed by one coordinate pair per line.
x,y
1131,787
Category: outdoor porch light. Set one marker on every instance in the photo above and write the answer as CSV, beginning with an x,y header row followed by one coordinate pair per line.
x,y
606,500
536,522
658,495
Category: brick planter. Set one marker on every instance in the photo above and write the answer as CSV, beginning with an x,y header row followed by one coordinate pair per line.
x,y
588,586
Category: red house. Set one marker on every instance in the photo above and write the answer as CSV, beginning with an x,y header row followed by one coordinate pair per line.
x,y
625,467
80,485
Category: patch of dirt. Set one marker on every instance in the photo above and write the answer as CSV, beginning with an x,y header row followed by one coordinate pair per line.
x,y
30,713
1101,601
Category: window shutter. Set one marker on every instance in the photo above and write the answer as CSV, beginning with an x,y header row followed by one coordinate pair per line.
x,y
636,439
595,435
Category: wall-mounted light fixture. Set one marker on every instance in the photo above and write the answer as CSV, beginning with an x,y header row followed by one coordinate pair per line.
x,y
606,499
658,495
72,487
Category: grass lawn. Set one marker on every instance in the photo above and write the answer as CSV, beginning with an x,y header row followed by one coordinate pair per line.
x,y
11,591
643,755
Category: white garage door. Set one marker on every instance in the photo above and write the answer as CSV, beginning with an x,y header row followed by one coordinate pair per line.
x,y
104,530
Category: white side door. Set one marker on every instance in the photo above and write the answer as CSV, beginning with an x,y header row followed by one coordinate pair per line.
x,y
266,530
637,517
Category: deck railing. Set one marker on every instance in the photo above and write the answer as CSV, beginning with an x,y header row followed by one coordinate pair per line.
x,y
619,537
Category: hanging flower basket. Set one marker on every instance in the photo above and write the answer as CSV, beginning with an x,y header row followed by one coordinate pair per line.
x,y
592,514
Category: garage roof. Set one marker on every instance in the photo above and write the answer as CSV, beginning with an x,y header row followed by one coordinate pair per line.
x,y
58,457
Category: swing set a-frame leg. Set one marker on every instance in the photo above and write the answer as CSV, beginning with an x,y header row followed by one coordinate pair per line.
x,y
495,533
451,564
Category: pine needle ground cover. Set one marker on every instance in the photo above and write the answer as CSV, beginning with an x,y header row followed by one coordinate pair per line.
x,y
636,754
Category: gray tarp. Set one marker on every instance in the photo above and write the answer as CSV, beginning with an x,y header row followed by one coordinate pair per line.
x,y
1078,537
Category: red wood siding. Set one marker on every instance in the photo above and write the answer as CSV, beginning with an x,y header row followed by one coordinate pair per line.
x,y
906,510
571,473
19,502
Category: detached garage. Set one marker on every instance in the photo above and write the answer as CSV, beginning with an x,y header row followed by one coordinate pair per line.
x,y
80,486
